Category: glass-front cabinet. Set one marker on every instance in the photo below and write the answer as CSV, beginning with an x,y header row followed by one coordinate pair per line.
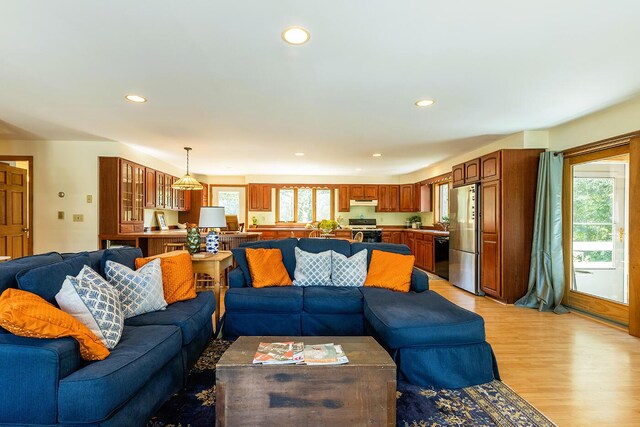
x,y
132,181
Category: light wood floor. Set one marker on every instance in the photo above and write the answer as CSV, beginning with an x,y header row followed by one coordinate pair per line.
x,y
576,370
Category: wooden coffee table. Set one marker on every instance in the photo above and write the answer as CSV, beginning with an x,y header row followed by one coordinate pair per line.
x,y
362,392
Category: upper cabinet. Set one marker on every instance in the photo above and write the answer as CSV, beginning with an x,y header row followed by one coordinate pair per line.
x,y
150,188
259,197
407,198
356,192
457,175
344,198
417,197
388,198
466,173
370,192
490,166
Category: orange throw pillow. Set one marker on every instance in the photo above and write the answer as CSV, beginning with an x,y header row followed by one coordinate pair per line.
x,y
390,271
266,268
26,314
177,275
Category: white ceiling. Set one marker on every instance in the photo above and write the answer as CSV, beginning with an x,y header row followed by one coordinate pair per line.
x,y
220,79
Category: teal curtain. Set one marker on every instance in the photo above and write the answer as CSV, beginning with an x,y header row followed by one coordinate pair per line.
x,y
546,274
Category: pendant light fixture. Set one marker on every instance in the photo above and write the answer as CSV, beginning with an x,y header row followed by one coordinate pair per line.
x,y
187,182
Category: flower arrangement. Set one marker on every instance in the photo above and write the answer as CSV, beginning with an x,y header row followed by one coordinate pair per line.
x,y
328,225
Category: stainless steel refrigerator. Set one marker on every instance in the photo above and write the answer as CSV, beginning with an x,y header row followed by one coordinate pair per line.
x,y
464,234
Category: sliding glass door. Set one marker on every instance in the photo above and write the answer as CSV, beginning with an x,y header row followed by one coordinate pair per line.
x,y
596,223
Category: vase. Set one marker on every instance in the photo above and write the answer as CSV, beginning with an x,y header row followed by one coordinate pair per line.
x,y
213,242
193,240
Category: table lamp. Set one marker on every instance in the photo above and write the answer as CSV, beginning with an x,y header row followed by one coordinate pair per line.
x,y
212,217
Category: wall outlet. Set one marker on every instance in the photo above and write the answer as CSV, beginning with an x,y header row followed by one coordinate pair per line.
x,y
89,198
78,218
60,214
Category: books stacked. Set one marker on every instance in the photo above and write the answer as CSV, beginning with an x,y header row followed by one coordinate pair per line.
x,y
282,353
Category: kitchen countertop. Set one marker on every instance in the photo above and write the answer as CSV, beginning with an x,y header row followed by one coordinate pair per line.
x,y
174,233
383,227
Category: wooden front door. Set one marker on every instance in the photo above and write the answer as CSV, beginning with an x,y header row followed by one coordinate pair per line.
x,y
14,231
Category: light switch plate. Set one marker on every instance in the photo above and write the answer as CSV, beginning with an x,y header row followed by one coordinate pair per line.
x,y
78,218
60,214
89,198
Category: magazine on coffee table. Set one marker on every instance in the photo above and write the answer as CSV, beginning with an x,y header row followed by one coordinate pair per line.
x,y
324,354
279,353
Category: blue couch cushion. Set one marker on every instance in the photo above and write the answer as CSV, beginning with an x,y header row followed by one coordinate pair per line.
x,y
387,247
279,299
190,315
417,319
286,246
96,391
95,258
9,269
125,256
46,281
320,245
332,299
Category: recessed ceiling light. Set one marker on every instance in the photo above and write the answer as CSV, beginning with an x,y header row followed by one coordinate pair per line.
x,y
358,169
296,35
424,102
136,98
299,154
377,155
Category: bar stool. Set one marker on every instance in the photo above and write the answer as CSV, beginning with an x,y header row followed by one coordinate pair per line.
x,y
168,247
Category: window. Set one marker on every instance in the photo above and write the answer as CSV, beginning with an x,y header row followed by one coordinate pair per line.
x,y
442,202
593,222
231,202
304,204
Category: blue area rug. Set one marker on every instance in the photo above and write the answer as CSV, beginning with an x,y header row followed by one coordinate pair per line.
x,y
491,404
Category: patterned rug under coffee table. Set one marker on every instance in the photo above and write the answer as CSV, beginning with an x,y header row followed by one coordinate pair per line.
x,y
491,404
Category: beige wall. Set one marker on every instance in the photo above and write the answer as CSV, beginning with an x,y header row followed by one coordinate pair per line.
x,y
613,121
72,167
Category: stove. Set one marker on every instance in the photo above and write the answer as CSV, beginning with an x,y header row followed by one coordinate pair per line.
x,y
371,233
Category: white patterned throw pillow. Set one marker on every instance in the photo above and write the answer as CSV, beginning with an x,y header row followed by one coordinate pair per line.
x,y
350,271
140,290
91,300
312,269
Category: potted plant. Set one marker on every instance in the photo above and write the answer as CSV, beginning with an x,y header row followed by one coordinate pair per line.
x,y
254,221
415,221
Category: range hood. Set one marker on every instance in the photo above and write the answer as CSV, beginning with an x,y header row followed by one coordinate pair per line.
x,y
363,203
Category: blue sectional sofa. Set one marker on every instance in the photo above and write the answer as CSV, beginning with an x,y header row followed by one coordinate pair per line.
x,y
45,382
433,341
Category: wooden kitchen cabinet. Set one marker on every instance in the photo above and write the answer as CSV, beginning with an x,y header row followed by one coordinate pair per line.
x,y
507,204
490,166
370,192
194,200
121,196
466,173
394,198
392,237
343,198
259,197
457,175
150,188
472,171
168,192
426,198
417,197
356,192
406,198
159,190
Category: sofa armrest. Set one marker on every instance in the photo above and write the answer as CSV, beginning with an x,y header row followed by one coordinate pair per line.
x,y
419,280
236,278
30,369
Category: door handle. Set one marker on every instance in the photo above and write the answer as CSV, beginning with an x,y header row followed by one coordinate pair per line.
x,y
25,230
